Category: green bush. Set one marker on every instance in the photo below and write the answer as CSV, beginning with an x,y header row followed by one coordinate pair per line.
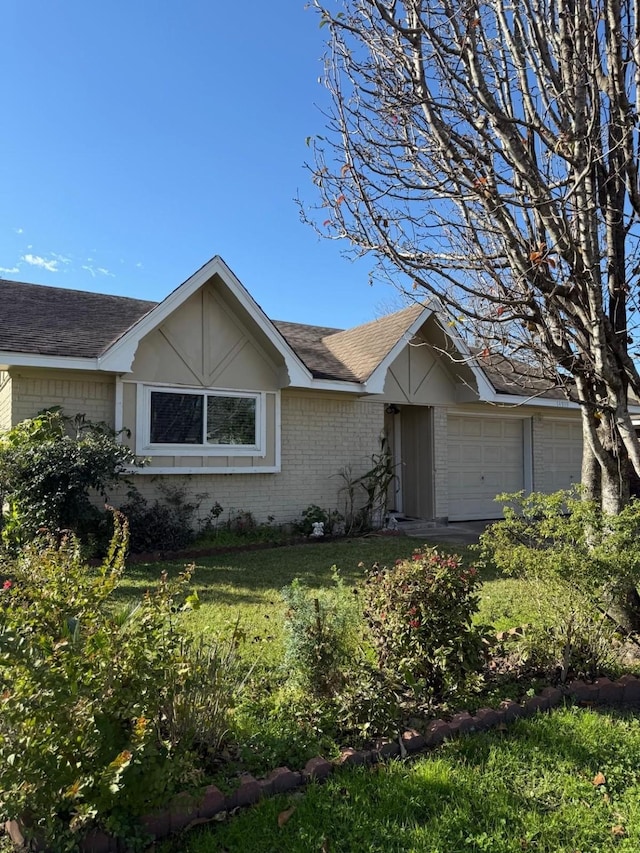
x,y
49,466
166,525
420,614
313,513
562,539
321,635
96,702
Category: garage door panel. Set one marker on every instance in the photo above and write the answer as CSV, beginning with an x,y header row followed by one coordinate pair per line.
x,y
561,455
486,457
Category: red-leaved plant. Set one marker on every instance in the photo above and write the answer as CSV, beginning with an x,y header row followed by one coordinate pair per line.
x,y
420,615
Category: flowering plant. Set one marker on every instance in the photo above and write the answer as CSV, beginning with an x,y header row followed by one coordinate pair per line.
x,y
420,614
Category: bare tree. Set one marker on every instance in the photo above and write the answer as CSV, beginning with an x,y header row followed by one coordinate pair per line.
x,y
488,152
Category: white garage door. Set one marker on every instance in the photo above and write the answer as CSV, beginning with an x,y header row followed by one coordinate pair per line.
x,y
486,457
561,455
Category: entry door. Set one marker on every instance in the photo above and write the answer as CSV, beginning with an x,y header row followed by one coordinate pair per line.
x,y
417,461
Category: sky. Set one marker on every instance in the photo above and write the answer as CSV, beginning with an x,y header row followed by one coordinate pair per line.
x,y
141,139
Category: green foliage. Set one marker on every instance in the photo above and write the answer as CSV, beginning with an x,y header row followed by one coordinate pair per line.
x,y
321,634
332,520
96,702
201,691
239,529
420,614
49,465
560,539
376,482
166,525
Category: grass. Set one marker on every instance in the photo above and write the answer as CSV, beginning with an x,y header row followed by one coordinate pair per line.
x,y
245,586
527,789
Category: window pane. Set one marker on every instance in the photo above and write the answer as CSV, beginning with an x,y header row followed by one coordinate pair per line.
x,y
176,418
231,420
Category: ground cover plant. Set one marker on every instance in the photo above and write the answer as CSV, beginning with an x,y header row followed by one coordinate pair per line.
x,y
558,783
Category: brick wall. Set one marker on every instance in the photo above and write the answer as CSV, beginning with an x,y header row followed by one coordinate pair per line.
x,y
320,435
77,392
441,461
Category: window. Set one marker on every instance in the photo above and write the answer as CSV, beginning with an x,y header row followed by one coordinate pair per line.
x,y
204,420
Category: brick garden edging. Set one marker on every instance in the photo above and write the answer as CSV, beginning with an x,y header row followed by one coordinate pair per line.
x,y
187,810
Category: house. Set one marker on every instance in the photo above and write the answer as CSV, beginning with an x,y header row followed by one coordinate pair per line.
x,y
262,415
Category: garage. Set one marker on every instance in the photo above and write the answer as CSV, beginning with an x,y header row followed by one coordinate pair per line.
x,y
486,457
561,455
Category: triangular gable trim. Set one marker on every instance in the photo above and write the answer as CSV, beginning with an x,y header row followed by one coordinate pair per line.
x,y
377,378
118,358
375,382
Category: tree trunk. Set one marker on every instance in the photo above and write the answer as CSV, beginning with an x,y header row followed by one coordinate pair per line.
x,y
590,476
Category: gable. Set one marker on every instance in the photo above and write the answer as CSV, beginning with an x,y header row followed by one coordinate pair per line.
x,y
421,373
206,343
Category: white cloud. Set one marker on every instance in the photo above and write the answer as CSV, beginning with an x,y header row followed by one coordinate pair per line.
x,y
104,271
90,270
9,270
43,263
19,230
139,265
61,258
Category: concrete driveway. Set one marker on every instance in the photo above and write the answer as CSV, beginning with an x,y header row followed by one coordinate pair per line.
x,y
455,533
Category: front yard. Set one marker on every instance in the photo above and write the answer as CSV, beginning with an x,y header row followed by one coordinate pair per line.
x,y
270,657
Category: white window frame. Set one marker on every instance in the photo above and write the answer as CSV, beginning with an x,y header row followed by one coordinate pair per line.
x,y
144,447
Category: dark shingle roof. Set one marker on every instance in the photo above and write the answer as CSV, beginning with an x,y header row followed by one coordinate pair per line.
x,y
55,321
347,354
308,343
513,376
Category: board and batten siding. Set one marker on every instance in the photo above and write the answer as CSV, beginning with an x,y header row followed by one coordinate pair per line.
x,y
205,345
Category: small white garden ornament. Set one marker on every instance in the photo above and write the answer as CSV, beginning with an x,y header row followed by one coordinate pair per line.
x,y
318,529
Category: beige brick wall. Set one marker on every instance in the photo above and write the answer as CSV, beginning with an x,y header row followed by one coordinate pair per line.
x,y
77,392
441,461
5,401
320,435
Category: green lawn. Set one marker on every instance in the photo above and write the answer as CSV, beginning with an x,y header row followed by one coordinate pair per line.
x,y
529,788
246,585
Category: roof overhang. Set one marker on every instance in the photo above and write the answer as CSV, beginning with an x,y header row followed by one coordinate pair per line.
x,y
59,362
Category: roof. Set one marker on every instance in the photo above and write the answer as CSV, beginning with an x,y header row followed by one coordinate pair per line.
x,y
54,321
308,342
512,376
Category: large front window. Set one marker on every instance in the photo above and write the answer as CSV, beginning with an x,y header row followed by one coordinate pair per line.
x,y
204,419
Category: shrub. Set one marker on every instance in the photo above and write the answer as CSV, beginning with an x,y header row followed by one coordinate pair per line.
x,y
321,634
49,465
93,712
313,513
420,615
166,525
562,539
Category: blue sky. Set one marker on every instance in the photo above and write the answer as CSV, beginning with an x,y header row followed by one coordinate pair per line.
x,y
141,139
